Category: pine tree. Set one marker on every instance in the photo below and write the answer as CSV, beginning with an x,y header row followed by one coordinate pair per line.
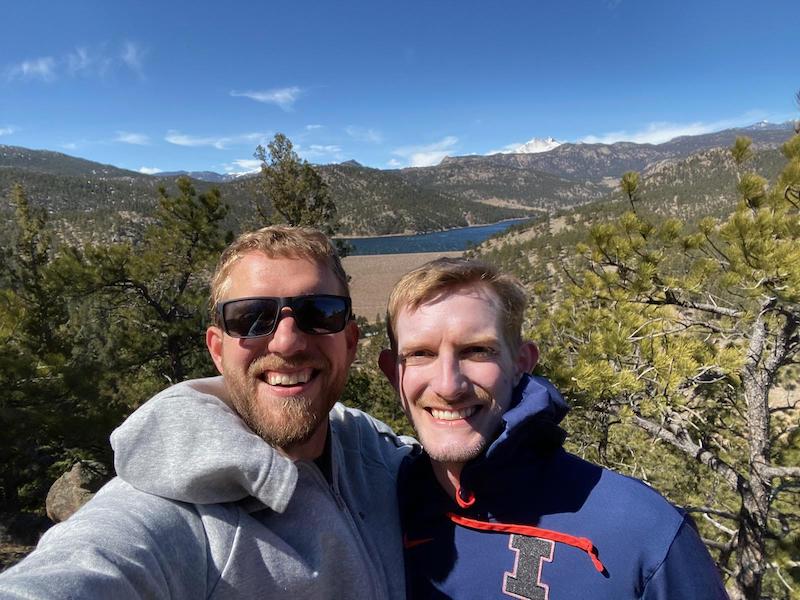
x,y
48,412
294,192
152,296
687,334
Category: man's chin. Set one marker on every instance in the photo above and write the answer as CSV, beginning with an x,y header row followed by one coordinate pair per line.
x,y
452,450
285,422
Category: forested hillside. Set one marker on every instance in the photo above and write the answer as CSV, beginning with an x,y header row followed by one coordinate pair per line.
x,y
93,200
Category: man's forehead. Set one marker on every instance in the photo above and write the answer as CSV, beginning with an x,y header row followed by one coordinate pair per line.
x,y
466,310
269,271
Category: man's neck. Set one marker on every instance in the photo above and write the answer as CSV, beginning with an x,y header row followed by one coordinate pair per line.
x,y
448,474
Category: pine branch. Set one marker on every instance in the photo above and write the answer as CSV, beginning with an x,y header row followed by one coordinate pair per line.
x,y
781,472
679,438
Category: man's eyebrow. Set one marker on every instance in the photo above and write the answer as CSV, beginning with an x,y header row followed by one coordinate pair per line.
x,y
482,341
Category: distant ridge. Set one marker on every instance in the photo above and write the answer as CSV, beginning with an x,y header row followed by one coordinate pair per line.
x,y
460,191
210,176
47,161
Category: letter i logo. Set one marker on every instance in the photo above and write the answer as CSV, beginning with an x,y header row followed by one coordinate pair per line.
x,y
525,581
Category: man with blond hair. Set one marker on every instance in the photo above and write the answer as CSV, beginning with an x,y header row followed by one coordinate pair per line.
x,y
252,484
495,507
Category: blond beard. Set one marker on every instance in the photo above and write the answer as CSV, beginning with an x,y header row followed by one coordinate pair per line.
x,y
281,422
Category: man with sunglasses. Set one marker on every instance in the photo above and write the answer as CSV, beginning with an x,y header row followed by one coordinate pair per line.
x,y
252,484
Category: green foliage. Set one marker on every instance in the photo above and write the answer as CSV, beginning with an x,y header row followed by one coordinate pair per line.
x,y
367,388
741,151
86,334
47,395
684,334
629,184
152,296
293,189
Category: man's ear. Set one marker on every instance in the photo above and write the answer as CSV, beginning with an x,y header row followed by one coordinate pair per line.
x,y
214,344
387,361
527,357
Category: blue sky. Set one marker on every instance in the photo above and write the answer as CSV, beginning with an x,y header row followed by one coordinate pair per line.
x,y
197,85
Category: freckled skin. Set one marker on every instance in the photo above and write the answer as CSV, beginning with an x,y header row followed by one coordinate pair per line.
x,y
293,418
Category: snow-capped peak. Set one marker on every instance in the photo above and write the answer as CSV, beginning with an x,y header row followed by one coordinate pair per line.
x,y
530,147
538,145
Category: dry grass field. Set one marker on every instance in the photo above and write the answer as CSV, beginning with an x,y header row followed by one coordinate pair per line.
x,y
372,278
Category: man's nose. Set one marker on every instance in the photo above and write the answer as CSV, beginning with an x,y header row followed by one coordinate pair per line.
x,y
449,381
287,338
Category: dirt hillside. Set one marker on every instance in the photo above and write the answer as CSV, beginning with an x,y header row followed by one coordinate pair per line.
x,y
372,278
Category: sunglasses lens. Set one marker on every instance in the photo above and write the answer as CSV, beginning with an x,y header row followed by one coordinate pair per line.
x,y
321,314
250,318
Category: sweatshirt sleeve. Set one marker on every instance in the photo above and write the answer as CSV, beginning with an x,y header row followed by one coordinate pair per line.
x,y
687,572
123,544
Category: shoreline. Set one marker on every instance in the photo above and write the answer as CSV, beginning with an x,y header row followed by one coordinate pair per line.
x,y
389,235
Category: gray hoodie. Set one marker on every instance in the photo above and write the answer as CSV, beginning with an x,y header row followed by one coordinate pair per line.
x,y
203,508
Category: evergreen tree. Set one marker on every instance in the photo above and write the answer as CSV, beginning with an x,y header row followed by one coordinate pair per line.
x,y
152,296
295,193
687,334
48,410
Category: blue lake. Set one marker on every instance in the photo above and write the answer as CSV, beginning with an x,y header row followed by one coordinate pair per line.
x,y
439,241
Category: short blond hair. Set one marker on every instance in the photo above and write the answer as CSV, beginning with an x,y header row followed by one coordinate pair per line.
x,y
443,275
277,241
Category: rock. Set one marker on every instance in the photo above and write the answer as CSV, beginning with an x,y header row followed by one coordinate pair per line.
x,y
74,489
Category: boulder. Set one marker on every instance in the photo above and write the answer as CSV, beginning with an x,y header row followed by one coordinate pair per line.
x,y
74,489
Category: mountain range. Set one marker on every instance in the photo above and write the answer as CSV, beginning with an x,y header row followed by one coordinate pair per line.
x,y
460,191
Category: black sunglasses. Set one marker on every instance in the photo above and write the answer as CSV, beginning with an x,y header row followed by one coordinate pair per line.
x,y
316,314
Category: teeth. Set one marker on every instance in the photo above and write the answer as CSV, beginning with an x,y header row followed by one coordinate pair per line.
x,y
275,378
453,415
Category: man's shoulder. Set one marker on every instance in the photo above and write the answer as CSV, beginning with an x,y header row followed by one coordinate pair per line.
x,y
120,502
356,431
606,502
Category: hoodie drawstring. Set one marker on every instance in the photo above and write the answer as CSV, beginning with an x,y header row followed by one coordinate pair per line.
x,y
581,543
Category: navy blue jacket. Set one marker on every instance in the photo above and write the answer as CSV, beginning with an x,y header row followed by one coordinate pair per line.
x,y
536,522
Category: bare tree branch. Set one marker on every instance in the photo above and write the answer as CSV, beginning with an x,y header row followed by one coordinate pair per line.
x,y
681,440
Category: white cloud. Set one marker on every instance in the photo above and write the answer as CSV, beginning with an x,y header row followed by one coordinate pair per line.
x,y
132,56
126,137
394,163
70,146
43,68
79,60
329,149
313,127
320,151
660,131
7,130
505,149
149,170
428,155
87,62
220,143
82,61
242,166
361,134
283,97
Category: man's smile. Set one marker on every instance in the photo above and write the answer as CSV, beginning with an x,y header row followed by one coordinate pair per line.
x,y
451,414
291,378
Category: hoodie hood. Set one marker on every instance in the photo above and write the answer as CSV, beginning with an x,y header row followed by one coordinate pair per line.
x,y
187,444
536,407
